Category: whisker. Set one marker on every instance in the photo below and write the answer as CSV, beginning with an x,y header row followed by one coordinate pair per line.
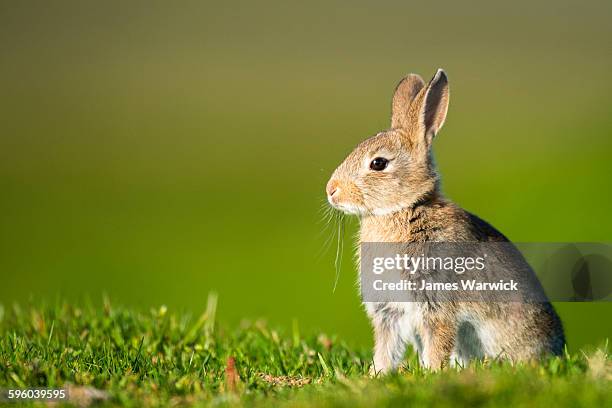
x,y
339,250
329,217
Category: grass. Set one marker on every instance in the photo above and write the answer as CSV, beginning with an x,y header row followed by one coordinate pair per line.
x,y
122,357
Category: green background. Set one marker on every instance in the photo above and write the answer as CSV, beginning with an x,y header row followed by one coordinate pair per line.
x,y
157,151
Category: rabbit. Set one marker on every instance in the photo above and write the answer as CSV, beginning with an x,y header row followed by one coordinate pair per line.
x,y
390,183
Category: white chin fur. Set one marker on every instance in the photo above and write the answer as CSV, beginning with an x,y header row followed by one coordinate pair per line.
x,y
355,210
358,210
387,211
347,208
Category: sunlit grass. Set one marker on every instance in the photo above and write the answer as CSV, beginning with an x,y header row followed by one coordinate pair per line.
x,y
161,358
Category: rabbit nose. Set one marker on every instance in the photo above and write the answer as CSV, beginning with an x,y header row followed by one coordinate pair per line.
x,y
332,187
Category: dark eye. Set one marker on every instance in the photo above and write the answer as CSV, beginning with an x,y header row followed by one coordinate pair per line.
x,y
379,164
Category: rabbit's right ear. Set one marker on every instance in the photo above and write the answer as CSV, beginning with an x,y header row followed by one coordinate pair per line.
x,y
435,105
405,93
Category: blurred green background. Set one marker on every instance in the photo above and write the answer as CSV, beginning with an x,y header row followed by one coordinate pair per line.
x,y
155,151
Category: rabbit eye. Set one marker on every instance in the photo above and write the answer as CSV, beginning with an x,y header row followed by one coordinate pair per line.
x,y
379,164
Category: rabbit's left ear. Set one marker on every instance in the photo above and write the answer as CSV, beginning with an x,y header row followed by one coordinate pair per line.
x,y
403,98
435,105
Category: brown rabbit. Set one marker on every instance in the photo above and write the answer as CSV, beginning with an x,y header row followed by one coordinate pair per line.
x,y
390,182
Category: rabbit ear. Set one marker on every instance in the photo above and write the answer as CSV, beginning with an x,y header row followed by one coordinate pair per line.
x,y
435,105
405,92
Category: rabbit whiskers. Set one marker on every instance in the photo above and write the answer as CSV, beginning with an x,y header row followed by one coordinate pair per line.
x,y
336,220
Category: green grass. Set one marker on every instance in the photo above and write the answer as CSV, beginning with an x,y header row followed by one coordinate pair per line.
x,y
162,358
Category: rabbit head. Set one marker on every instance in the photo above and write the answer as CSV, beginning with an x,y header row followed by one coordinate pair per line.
x,y
394,169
